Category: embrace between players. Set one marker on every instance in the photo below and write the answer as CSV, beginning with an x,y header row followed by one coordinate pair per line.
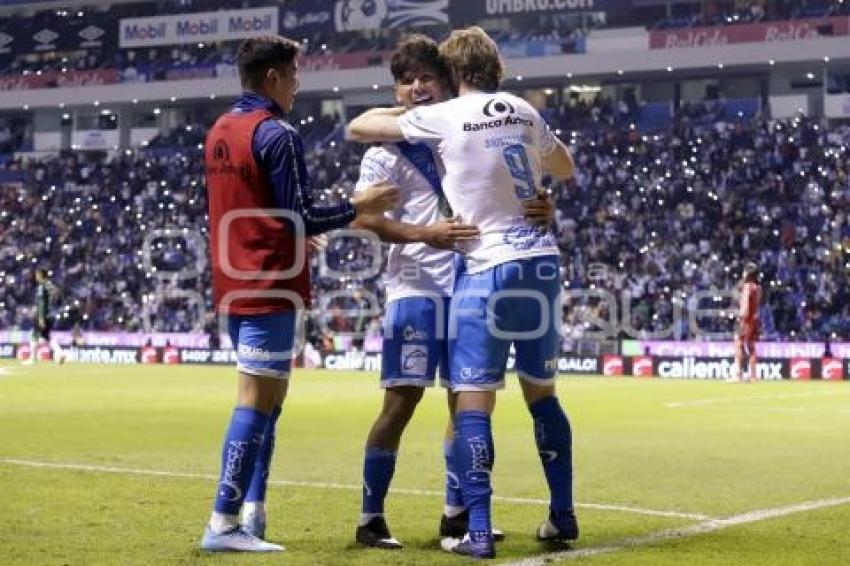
x,y
456,191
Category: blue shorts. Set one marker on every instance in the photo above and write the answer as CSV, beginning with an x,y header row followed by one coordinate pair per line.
x,y
415,342
263,343
511,303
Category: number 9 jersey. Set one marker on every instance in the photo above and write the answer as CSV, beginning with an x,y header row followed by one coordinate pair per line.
x,y
491,145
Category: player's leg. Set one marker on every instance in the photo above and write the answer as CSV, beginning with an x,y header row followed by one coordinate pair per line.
x,y
454,523
254,509
379,463
737,367
34,337
453,507
478,360
537,349
264,346
751,357
553,436
53,342
410,357
474,454
455,519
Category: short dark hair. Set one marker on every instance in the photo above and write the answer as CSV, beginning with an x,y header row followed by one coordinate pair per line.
x,y
259,54
417,52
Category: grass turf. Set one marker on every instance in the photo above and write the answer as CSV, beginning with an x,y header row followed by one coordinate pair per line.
x,y
697,447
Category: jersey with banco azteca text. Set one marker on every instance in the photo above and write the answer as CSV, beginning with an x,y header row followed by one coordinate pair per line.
x,y
491,146
416,269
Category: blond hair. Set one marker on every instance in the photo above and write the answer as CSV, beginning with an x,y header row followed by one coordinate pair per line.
x,y
472,58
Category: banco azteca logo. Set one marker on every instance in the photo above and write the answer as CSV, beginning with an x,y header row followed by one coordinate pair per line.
x,y
496,107
220,151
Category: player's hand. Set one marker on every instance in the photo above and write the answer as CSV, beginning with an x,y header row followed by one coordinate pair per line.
x,y
539,211
377,199
446,233
42,324
317,243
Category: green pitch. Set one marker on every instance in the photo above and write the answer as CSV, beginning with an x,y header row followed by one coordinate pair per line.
x,y
114,465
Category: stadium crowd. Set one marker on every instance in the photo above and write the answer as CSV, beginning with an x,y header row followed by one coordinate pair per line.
x,y
654,219
201,60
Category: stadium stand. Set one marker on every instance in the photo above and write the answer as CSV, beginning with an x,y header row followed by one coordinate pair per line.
x,y
668,213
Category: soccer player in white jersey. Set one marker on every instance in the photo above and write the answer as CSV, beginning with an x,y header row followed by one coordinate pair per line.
x,y
419,280
494,147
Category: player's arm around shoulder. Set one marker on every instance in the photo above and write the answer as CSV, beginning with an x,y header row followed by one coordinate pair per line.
x,y
554,154
375,167
559,163
376,125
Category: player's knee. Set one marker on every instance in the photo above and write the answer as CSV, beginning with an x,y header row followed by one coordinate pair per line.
x,y
534,392
400,402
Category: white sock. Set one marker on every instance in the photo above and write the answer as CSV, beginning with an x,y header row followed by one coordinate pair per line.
x,y
34,352
254,508
221,523
366,517
452,511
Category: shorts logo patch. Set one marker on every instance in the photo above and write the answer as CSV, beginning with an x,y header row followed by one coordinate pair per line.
x,y
411,333
253,353
414,360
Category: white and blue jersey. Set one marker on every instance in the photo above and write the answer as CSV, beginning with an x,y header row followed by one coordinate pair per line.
x,y
419,279
492,146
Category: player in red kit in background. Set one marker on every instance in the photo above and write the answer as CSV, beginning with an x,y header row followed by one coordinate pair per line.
x,y
261,215
749,325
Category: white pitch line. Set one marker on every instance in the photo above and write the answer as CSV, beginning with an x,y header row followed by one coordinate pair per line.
x,y
704,402
704,527
331,485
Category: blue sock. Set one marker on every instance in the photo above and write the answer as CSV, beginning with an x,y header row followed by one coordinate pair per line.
x,y
239,455
554,443
474,456
454,495
378,470
260,479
